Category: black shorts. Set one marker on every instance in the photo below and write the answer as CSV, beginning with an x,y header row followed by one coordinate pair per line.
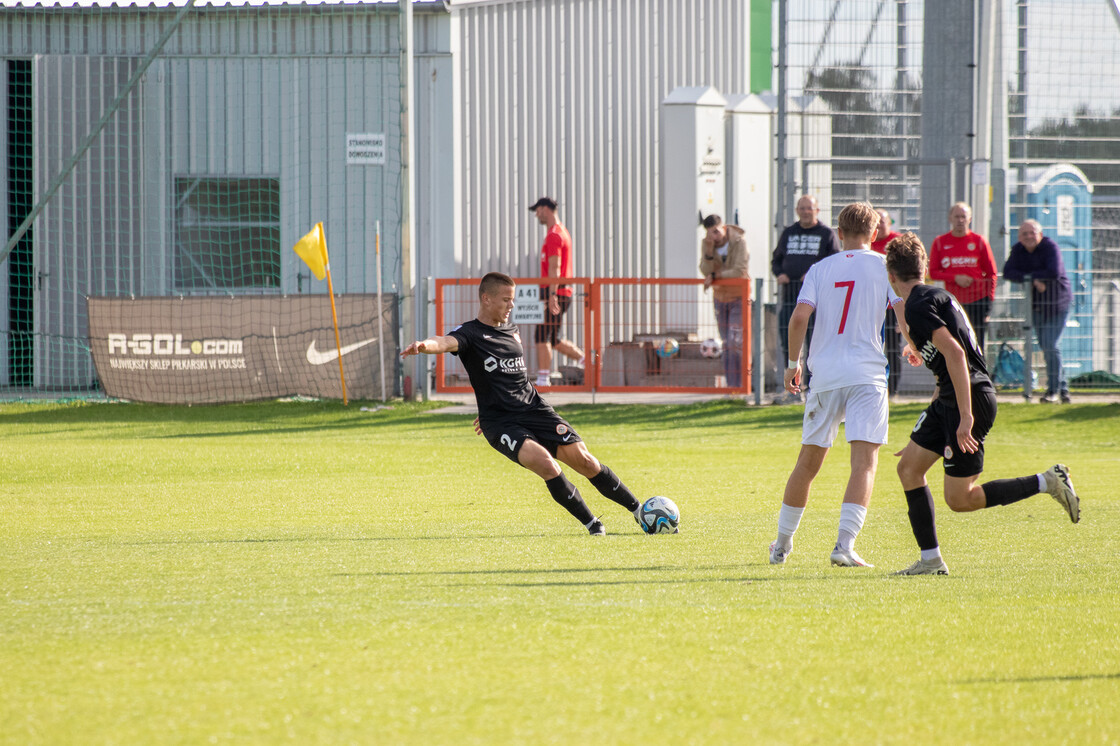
x,y
545,427
549,331
936,430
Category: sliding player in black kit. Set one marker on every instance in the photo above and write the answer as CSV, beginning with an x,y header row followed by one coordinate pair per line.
x,y
953,426
511,414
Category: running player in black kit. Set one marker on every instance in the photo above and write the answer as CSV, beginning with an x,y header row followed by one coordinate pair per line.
x,y
963,410
511,414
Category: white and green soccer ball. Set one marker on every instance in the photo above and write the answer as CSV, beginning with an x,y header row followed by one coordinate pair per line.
x,y
660,515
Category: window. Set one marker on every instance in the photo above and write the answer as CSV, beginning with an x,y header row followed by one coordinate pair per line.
x,y
227,234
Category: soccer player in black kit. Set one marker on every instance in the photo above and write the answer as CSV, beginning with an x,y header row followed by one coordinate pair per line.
x,y
511,414
953,426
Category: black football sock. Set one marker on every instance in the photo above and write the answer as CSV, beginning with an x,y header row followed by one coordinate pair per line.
x,y
612,488
565,493
920,501
1007,491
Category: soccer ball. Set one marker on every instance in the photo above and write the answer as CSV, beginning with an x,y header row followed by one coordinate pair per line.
x,y
668,348
711,348
660,515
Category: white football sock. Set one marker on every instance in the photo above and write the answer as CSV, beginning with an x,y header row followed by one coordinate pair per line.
x,y
851,521
1042,487
789,518
931,554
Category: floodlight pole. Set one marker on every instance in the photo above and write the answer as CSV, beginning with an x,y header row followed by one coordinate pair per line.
x,y
409,307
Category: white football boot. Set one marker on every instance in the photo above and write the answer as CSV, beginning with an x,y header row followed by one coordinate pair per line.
x,y
1060,487
848,558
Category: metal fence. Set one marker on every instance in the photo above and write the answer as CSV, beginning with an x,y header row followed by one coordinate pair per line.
x,y
638,334
1010,105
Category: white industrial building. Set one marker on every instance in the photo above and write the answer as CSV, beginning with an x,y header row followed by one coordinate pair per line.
x,y
513,99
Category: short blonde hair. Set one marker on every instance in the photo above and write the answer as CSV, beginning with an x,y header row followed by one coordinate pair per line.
x,y
906,257
858,219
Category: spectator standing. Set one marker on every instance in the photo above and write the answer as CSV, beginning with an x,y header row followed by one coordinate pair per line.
x,y
556,261
963,261
1039,258
884,235
800,246
723,256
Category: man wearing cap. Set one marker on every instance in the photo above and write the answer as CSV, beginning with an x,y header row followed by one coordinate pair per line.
x,y
556,261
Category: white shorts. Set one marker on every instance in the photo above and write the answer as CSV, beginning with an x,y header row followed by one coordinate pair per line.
x,y
862,409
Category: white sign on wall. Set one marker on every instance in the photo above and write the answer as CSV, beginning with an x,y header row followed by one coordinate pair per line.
x,y
366,149
1066,225
528,308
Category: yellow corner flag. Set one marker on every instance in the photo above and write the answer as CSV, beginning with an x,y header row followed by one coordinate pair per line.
x,y
312,249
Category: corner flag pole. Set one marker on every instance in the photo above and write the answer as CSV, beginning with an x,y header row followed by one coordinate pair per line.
x,y
380,314
334,313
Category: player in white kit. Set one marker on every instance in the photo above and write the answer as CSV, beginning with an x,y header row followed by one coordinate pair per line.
x,y
851,294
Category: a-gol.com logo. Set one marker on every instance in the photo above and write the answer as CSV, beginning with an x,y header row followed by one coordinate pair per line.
x,y
172,344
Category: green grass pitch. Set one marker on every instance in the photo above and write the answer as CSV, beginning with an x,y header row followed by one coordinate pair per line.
x,y
308,573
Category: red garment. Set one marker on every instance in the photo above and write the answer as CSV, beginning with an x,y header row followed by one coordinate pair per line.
x,y
880,247
557,243
968,255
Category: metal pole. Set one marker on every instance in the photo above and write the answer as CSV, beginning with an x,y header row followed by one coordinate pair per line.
x,y
380,315
979,193
409,311
997,227
781,146
1020,130
1028,340
758,338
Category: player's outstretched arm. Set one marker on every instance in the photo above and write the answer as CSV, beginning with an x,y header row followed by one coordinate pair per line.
x,y
431,346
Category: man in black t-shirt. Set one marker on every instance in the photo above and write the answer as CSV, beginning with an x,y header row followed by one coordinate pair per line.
x,y
962,412
512,416
800,246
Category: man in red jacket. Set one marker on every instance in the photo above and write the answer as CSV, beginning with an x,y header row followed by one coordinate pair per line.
x,y
963,261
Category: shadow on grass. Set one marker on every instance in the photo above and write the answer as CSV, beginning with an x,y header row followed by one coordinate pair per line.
x,y
540,571
326,539
1045,679
276,417
635,581
519,571
1069,412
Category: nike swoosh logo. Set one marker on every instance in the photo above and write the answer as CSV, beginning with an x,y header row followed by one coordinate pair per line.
x,y
567,437
322,358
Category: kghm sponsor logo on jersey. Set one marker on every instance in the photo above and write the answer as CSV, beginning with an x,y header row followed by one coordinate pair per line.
x,y
159,351
958,261
507,365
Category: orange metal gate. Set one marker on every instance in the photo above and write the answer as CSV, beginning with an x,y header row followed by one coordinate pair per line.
x,y
622,325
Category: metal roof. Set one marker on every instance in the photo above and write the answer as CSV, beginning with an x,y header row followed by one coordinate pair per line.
x,y
139,4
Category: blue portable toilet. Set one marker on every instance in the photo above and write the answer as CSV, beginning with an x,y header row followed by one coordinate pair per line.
x,y
1059,197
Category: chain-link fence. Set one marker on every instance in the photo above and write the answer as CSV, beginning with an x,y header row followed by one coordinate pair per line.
x,y
1010,106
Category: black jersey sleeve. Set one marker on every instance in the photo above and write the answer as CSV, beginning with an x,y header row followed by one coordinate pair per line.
x,y
462,335
924,318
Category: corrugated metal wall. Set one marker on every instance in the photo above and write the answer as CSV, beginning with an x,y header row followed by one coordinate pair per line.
x,y
561,97
273,31
88,240
249,92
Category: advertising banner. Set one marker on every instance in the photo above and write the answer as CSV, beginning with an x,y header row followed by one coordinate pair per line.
x,y
240,348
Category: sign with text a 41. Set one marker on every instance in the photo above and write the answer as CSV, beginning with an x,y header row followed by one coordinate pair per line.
x,y
528,308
